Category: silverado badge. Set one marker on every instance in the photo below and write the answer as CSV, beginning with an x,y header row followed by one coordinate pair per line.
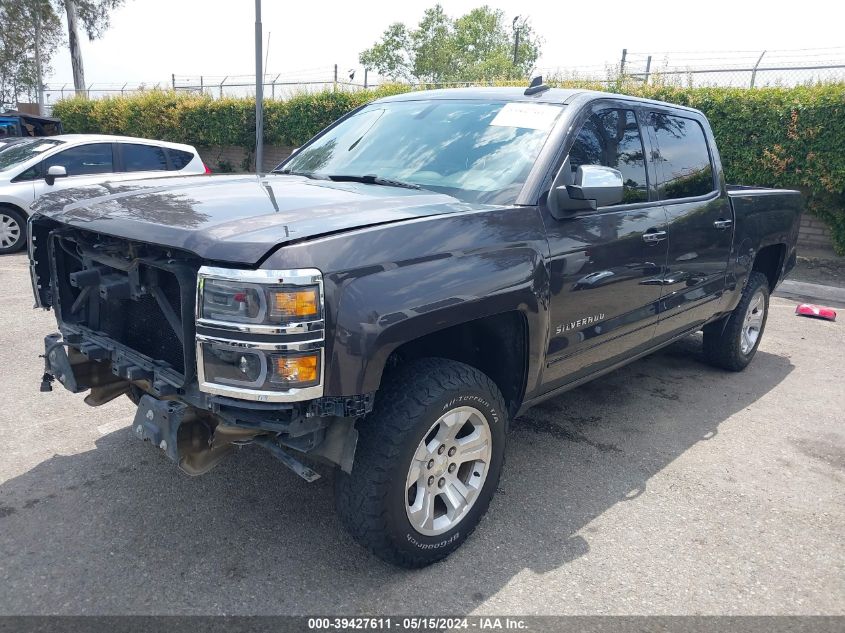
x,y
574,325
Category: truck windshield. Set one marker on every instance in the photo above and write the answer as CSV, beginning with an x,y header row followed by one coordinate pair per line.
x,y
472,150
23,151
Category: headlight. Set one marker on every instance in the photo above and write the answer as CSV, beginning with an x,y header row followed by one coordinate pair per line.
x,y
230,365
241,302
260,333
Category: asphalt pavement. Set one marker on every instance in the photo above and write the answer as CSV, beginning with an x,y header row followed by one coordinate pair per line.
x,y
667,487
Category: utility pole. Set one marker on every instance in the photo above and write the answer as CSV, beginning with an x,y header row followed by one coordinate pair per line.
x,y
266,57
259,93
515,40
75,51
622,63
38,78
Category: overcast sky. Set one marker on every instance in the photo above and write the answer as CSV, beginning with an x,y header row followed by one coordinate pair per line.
x,y
150,39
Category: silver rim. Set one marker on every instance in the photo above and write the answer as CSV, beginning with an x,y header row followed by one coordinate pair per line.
x,y
10,231
448,471
753,323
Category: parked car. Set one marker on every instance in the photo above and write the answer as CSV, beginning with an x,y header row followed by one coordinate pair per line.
x,y
410,281
22,124
34,166
7,142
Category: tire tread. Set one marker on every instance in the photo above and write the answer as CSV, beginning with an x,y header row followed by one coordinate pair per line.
x,y
398,411
722,339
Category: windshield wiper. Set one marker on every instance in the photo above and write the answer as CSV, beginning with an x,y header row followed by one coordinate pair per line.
x,y
372,179
306,174
369,179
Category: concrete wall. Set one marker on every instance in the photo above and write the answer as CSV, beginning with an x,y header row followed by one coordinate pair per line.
x,y
224,158
814,234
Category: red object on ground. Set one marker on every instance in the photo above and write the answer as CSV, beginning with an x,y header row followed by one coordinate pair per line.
x,y
820,312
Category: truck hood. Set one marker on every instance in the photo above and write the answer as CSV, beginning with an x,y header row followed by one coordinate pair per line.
x,y
236,219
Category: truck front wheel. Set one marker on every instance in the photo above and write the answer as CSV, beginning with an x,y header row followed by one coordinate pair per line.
x,y
427,463
732,343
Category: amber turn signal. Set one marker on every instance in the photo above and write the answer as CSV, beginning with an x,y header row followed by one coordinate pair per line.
x,y
296,371
298,303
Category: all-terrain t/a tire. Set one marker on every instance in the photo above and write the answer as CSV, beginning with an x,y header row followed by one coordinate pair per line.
x,y
427,463
732,344
12,230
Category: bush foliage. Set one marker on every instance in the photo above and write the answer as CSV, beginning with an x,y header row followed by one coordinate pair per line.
x,y
775,137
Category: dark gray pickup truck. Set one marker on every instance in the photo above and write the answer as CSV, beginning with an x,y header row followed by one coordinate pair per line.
x,y
403,286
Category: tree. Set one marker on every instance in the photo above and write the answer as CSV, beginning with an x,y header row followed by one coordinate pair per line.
x,y
389,57
477,46
31,34
432,45
94,16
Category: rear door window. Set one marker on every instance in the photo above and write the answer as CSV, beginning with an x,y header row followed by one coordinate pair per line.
x,y
179,159
681,157
611,137
143,157
95,158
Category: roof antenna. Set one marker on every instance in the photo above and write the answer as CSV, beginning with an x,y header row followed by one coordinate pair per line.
x,y
536,86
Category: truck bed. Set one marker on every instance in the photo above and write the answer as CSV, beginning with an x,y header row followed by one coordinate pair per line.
x,y
763,217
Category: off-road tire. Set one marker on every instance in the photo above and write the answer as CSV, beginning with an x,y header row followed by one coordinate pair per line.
x,y
723,339
371,501
18,218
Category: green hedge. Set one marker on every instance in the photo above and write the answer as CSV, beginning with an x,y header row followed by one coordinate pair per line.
x,y
779,137
776,137
185,118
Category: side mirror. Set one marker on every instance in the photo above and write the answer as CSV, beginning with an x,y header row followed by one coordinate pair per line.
x,y
53,172
594,182
594,186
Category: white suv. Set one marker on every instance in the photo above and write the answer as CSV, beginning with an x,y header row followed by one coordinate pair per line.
x,y
39,165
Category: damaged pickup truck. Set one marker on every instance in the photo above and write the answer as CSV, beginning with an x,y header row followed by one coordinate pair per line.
x,y
403,286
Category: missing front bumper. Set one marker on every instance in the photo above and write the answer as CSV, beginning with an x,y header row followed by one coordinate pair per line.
x,y
197,431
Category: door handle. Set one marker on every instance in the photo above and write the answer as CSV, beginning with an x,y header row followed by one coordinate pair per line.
x,y
721,225
654,237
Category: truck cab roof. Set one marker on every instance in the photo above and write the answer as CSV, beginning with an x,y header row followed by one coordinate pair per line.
x,y
505,93
559,96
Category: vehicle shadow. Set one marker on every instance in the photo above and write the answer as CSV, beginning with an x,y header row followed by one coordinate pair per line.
x,y
117,530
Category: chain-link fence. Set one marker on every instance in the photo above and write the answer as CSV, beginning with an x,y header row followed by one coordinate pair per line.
x,y
748,69
278,85
56,92
741,69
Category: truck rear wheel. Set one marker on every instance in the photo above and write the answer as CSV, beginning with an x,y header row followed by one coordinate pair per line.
x,y
731,344
427,463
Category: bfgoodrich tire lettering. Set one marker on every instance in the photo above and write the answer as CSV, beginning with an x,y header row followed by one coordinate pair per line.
x,y
372,500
